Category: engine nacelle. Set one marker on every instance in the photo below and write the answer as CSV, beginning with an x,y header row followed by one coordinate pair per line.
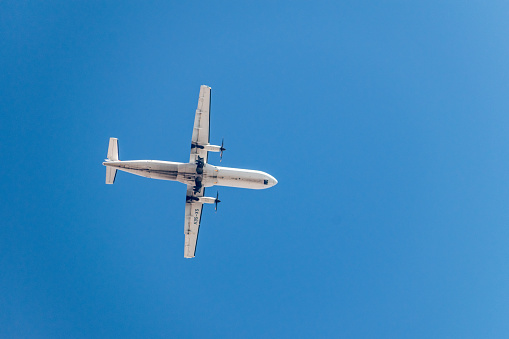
x,y
204,200
212,148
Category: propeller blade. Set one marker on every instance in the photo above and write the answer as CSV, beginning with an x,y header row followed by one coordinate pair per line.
x,y
222,149
217,199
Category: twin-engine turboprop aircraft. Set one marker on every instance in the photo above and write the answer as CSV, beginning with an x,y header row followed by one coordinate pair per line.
x,y
197,174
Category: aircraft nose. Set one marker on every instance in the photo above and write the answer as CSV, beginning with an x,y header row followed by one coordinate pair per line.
x,y
273,181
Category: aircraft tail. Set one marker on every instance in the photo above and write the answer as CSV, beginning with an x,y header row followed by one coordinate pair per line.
x,y
113,150
111,172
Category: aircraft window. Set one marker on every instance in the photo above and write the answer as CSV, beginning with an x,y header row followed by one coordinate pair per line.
x,y
265,182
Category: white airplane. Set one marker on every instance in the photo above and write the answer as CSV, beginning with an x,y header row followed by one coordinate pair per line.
x,y
196,174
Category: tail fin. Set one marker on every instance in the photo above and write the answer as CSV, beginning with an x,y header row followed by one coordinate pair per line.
x,y
111,172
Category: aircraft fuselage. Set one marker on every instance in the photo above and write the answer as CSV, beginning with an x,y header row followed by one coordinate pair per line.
x,y
188,173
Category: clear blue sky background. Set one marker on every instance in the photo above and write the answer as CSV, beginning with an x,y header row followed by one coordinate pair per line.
x,y
386,125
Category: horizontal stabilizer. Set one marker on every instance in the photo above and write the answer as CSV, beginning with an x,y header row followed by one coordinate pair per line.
x,y
111,173
113,149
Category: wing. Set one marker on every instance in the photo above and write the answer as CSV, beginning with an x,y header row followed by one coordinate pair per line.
x,y
192,223
201,130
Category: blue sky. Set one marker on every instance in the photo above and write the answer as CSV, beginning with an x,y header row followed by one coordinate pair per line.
x,y
385,124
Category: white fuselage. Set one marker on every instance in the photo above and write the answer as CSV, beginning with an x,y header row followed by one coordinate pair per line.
x,y
187,173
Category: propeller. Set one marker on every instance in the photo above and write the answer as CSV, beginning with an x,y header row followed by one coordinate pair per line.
x,y
222,149
217,200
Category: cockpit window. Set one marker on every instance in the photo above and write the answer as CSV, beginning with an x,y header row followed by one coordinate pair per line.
x,y
265,182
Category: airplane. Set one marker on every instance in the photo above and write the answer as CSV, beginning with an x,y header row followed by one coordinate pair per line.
x,y
196,174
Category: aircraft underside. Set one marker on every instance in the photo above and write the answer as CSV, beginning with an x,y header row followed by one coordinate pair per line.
x,y
205,175
197,174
